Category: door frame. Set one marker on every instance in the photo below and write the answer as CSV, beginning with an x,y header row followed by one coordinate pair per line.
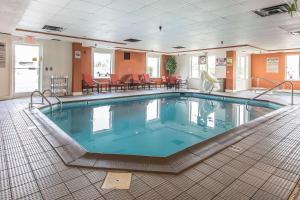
x,y
24,94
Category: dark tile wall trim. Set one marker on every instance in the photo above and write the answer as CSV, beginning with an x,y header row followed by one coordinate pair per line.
x,y
75,155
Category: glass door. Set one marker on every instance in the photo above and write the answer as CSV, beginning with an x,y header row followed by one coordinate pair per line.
x,y
27,69
242,73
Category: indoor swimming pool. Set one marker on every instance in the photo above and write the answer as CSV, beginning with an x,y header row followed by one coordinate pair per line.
x,y
153,125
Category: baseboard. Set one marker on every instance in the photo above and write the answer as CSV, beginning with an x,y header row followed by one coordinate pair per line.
x,y
77,93
5,98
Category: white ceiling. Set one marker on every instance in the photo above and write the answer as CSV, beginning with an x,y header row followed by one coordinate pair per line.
x,y
191,23
11,12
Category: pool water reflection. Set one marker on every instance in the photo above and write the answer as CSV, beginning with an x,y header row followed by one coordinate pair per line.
x,y
151,127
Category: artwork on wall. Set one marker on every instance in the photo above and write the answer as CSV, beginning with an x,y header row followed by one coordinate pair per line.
x,y
77,54
202,60
272,65
2,55
220,61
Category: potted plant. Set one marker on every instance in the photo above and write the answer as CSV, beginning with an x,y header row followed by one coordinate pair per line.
x,y
293,7
171,65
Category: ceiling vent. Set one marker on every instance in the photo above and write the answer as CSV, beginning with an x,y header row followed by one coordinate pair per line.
x,y
132,40
179,47
53,28
273,10
293,29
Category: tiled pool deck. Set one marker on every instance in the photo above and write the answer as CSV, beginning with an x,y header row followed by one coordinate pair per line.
x,y
267,166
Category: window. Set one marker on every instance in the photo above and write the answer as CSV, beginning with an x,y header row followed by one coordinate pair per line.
x,y
194,111
242,115
102,119
153,110
211,120
102,65
292,67
195,67
211,65
153,66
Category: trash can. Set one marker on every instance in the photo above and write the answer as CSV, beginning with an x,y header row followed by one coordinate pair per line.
x,y
222,84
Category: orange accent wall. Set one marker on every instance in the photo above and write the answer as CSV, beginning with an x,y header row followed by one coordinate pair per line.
x,y
86,60
136,64
123,68
76,68
258,69
230,68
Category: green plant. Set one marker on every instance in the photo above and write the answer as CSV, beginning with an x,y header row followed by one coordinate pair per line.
x,y
293,7
171,65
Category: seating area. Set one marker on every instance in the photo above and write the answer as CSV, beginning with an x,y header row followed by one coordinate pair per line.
x,y
132,82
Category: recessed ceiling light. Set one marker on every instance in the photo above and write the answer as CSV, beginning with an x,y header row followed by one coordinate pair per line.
x,y
132,40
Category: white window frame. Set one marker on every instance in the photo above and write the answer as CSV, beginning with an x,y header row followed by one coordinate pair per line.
x,y
286,68
93,66
158,67
191,67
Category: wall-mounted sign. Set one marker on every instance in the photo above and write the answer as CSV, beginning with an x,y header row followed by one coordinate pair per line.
x,y
77,54
220,61
272,65
229,61
202,60
2,55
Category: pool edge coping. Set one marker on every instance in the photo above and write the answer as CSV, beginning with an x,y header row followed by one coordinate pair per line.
x,y
73,154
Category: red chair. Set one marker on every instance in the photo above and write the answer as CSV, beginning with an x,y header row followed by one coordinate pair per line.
x,y
135,81
173,82
88,82
115,82
148,81
164,81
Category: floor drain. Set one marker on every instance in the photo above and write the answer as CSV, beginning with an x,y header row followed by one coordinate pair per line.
x,y
235,148
117,181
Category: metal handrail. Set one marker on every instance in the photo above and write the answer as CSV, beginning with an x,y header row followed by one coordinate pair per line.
x,y
43,97
54,95
280,84
261,78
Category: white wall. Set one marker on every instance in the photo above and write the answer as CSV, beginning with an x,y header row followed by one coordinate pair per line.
x,y
184,67
220,70
5,73
57,55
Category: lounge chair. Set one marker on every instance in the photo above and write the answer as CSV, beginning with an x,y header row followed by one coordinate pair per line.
x,y
164,81
173,82
89,83
116,83
135,81
148,81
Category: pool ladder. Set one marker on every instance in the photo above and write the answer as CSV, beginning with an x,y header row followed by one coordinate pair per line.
x,y
42,94
269,90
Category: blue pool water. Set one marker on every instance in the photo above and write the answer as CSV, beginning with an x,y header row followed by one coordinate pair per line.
x,y
152,125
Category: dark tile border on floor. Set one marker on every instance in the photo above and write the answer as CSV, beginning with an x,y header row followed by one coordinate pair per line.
x,y
74,155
